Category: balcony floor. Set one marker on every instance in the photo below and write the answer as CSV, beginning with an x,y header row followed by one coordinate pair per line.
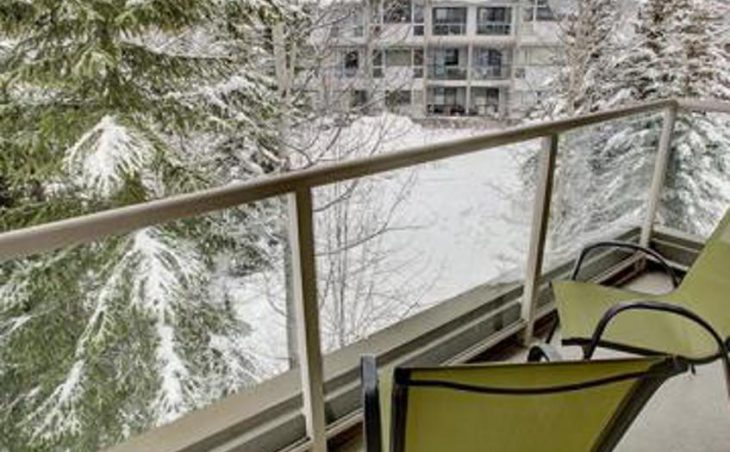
x,y
688,413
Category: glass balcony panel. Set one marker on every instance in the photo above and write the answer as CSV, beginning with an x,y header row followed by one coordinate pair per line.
x,y
104,341
696,191
602,183
393,245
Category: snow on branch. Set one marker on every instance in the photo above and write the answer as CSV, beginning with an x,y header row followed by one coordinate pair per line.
x,y
166,267
102,157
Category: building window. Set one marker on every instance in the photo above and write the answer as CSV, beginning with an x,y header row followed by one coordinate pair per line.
x,y
494,21
375,16
418,57
378,60
418,13
418,18
398,57
542,9
451,57
377,57
488,57
446,64
485,101
417,63
499,15
358,98
395,99
351,63
488,64
396,11
449,15
444,95
449,21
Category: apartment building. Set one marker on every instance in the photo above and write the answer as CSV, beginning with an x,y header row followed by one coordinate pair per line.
x,y
489,58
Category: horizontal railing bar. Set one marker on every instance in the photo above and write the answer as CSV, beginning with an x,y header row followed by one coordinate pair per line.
x,y
709,105
96,226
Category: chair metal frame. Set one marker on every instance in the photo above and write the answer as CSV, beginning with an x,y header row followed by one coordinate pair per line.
x,y
631,405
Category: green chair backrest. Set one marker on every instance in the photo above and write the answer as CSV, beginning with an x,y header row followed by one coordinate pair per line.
x,y
706,287
574,406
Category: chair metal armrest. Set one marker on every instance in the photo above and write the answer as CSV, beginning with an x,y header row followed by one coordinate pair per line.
x,y
541,351
681,311
371,404
615,244
626,245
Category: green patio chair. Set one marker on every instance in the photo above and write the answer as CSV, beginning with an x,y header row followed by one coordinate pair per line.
x,y
693,321
569,406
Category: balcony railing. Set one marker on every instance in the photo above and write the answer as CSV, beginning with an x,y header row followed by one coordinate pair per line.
x,y
347,72
449,29
442,72
490,72
395,31
494,28
352,31
488,108
297,187
455,109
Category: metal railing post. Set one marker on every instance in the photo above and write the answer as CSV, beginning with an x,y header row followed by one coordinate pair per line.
x,y
304,287
540,216
660,169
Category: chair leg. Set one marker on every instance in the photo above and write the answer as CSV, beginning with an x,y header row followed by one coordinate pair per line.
x,y
553,330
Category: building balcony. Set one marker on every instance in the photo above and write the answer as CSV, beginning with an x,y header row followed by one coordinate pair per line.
x,y
449,29
444,72
494,29
442,109
500,72
315,405
397,33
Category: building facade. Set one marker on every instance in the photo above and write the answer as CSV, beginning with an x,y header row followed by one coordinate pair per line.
x,y
489,58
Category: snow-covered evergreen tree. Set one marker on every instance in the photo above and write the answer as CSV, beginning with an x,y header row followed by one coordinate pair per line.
x,y
678,51
589,39
106,103
591,35
673,49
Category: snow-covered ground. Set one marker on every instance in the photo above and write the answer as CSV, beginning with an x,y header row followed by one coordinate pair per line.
x,y
470,227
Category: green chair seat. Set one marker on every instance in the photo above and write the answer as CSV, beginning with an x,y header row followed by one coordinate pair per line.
x,y
572,406
582,305
705,290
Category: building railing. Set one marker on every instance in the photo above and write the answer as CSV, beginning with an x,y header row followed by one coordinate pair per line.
x,y
348,31
442,72
298,187
488,108
449,28
496,72
395,30
454,109
494,28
